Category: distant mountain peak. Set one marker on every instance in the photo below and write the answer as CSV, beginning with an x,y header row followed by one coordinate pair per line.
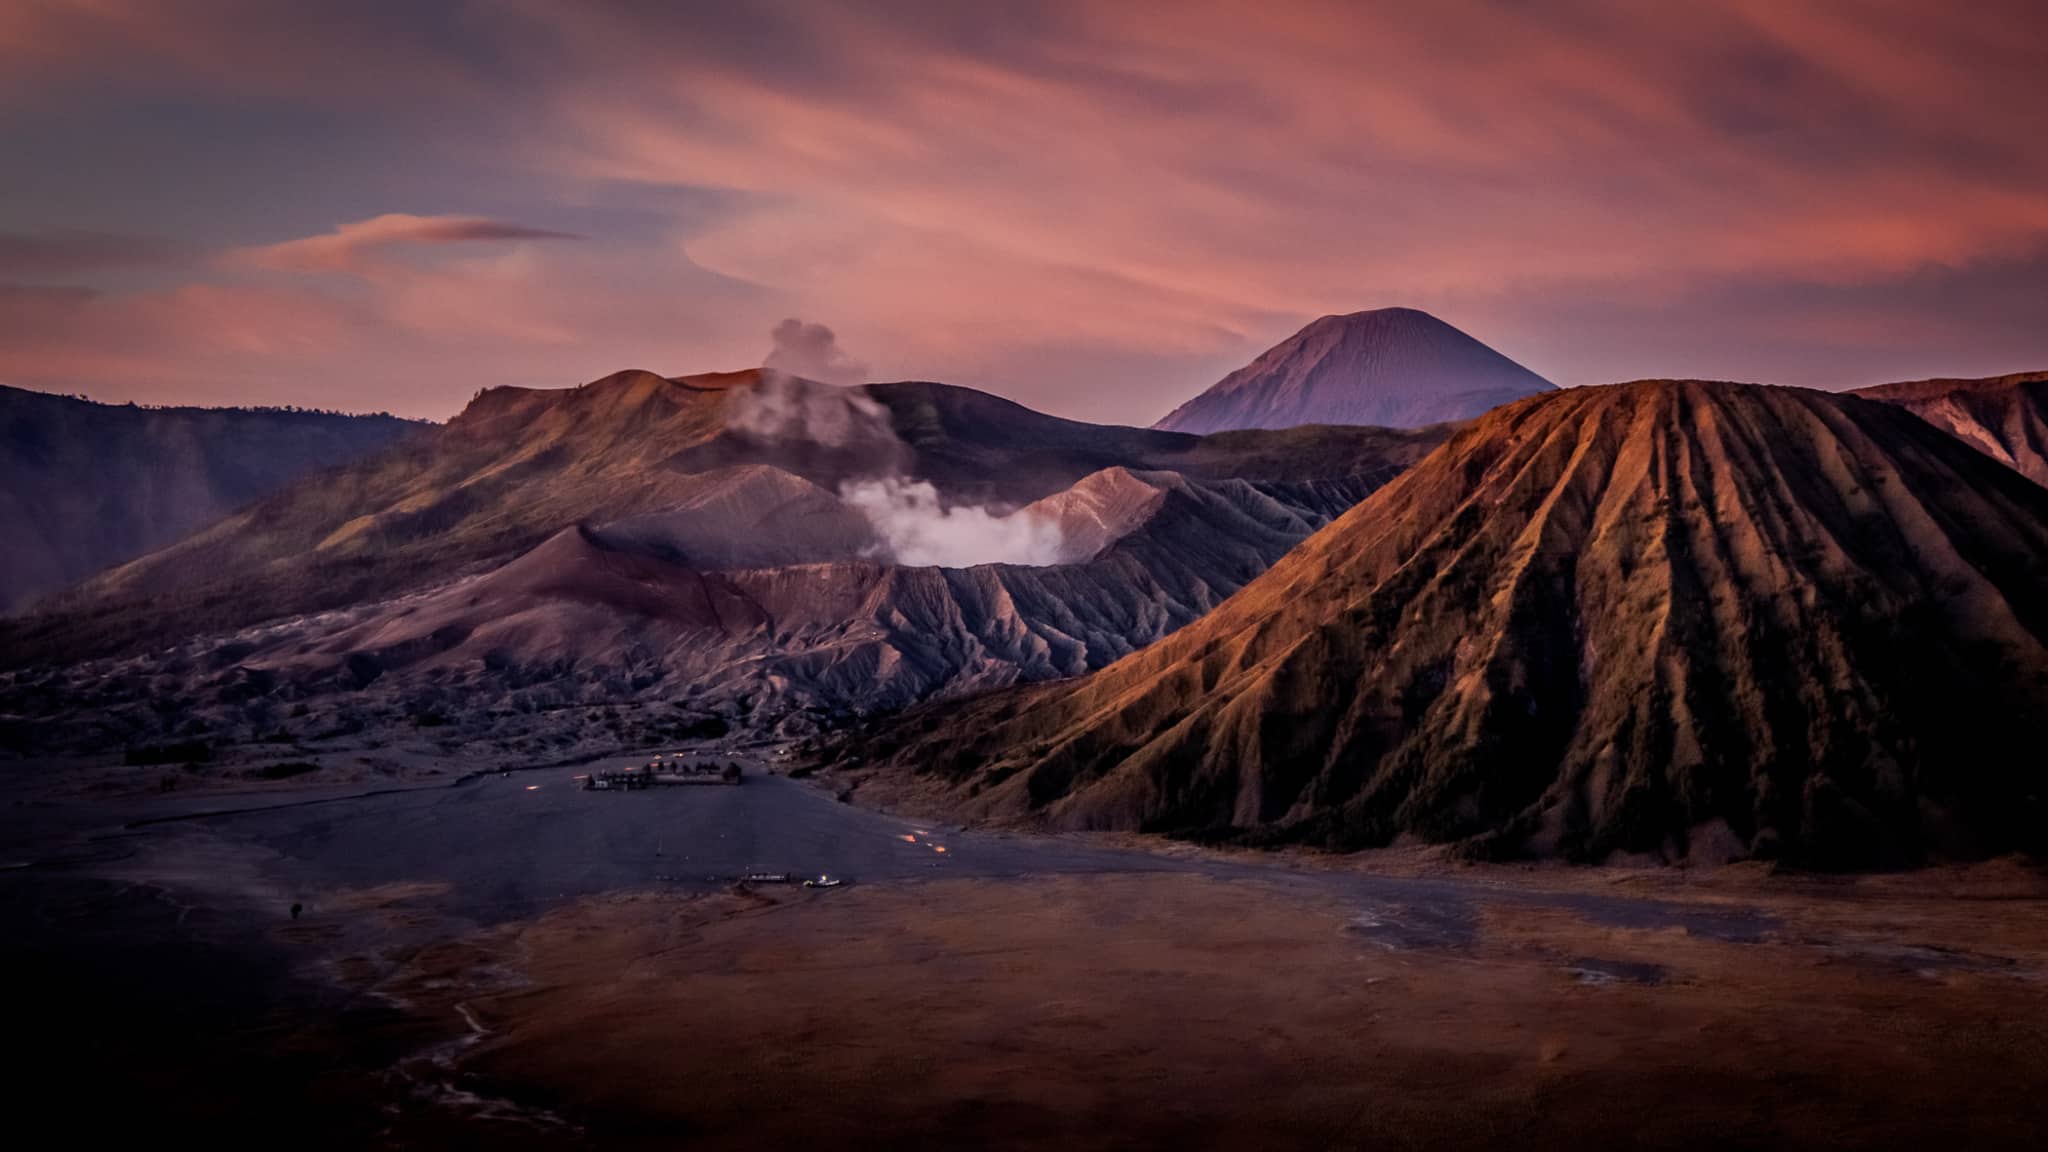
x,y
1394,367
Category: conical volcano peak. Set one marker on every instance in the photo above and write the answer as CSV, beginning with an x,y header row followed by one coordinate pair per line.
x,y
1394,367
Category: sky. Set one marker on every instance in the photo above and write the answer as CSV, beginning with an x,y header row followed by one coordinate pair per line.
x,y
1096,209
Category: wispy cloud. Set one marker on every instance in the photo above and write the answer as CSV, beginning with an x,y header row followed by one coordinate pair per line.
x,y
349,245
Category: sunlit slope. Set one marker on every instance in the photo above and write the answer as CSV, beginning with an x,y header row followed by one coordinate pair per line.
x,y
2004,417
1666,617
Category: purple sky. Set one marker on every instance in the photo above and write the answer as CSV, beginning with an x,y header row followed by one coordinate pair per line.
x,y
1096,209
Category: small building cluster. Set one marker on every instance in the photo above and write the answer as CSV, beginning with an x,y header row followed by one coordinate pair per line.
x,y
662,772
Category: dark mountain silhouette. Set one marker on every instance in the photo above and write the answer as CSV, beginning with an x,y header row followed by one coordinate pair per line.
x,y
1392,367
84,485
1680,618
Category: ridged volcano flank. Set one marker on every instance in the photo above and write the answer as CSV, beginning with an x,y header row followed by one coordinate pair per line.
x,y
1681,618
1394,367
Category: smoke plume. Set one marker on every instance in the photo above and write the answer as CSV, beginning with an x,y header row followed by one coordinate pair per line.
x,y
813,352
796,404
918,530
789,409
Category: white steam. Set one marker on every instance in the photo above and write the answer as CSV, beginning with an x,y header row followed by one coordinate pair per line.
x,y
784,408
791,406
917,530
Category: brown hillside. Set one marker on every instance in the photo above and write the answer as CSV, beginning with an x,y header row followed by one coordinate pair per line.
x,y
2004,417
84,486
1676,618
502,476
850,634
642,613
519,465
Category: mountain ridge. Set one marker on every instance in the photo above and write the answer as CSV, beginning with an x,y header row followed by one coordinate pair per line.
x,y
2004,417
85,485
518,465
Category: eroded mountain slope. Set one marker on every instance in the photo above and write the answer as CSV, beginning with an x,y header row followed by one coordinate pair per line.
x,y
602,616
2004,417
1669,617
519,465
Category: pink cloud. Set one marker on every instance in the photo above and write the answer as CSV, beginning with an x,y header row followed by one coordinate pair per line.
x,y
1335,156
346,248
414,336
